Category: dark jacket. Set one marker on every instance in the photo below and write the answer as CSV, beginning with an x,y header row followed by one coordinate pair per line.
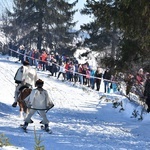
x,y
98,75
147,88
107,75
36,55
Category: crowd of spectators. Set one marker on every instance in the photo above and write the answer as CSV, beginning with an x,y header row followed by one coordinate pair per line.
x,y
69,69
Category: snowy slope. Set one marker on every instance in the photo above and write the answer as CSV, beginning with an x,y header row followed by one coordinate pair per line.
x,y
82,119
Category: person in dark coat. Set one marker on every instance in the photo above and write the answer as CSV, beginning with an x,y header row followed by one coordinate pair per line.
x,y
147,92
36,57
98,75
130,80
10,48
107,77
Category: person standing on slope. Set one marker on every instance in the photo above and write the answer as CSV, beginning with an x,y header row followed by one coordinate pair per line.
x,y
107,78
25,76
98,75
40,101
147,92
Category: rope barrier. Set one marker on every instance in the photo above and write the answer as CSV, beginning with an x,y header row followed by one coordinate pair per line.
x,y
110,81
93,77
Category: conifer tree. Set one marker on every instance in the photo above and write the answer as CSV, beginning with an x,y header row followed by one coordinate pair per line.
x,y
129,19
42,21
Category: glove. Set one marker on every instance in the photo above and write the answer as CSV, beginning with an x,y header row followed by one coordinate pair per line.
x,y
50,106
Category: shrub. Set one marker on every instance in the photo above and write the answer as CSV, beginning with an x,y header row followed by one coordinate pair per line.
x,y
4,141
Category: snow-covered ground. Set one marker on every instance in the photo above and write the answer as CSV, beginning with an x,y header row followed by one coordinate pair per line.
x,y
82,119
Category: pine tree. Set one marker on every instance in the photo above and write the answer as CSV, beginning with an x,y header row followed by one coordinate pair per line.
x,y
127,19
42,21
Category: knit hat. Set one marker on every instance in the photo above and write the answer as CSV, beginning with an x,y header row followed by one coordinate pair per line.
x,y
21,47
39,83
25,63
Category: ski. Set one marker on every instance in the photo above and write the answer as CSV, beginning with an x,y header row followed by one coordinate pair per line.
x,y
42,127
48,131
25,130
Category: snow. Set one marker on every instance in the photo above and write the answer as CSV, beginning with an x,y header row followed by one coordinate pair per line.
x,y
82,119
90,58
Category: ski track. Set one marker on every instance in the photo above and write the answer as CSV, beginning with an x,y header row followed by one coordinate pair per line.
x,y
72,124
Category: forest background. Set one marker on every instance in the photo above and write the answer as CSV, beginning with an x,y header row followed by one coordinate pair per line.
x,y
118,30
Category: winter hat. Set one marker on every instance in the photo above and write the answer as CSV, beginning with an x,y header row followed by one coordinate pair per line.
x,y
25,63
141,70
39,83
21,47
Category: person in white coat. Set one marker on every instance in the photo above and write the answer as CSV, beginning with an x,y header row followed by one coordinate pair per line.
x,y
62,71
25,76
39,100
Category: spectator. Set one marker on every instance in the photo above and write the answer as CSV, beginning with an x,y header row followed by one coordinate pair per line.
x,y
76,73
71,70
98,75
140,77
62,71
43,60
107,78
85,67
147,92
80,70
92,79
21,53
88,74
36,57
29,55
130,82
67,69
140,80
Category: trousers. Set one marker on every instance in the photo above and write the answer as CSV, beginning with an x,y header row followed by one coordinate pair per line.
x,y
42,113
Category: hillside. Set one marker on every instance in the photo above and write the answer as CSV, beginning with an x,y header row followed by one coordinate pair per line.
x,y
82,119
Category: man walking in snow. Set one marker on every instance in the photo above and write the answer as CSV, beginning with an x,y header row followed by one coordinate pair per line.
x,y
40,101
25,76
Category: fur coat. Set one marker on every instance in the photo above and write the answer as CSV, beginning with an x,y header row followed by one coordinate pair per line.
x,y
39,99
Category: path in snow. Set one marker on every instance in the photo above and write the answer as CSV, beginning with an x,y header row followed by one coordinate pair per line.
x,y
79,119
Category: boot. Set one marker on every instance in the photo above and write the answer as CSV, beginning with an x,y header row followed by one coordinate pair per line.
x,y
14,104
46,128
25,125
148,110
